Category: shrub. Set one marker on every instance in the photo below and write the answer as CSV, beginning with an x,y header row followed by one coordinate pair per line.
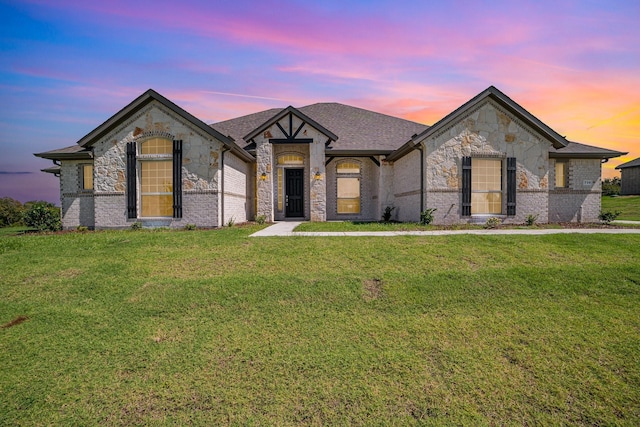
x,y
608,216
11,211
261,219
492,222
426,216
231,221
531,220
190,227
386,215
82,229
611,186
42,215
136,225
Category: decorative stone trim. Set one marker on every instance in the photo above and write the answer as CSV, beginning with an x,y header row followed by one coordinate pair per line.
x,y
488,155
109,193
443,190
240,196
531,190
153,134
200,192
85,193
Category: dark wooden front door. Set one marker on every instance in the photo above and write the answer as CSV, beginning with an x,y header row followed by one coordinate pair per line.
x,y
294,192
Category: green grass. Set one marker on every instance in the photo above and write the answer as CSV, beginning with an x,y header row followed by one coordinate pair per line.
x,y
629,206
12,231
215,328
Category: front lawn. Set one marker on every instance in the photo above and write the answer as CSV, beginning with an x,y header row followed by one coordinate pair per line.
x,y
215,328
629,206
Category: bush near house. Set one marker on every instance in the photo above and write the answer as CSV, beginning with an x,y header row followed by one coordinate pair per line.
x,y
42,215
215,328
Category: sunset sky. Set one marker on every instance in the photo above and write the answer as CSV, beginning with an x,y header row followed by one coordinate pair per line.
x,y
67,66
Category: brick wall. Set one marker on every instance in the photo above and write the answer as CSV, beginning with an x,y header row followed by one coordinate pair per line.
x,y
77,204
368,190
406,187
236,173
581,200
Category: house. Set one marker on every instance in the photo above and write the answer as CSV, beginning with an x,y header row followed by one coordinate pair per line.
x,y
630,177
157,164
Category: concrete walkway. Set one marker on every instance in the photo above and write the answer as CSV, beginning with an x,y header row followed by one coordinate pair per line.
x,y
285,228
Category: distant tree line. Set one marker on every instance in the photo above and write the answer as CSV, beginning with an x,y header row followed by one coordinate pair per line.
x,y
38,214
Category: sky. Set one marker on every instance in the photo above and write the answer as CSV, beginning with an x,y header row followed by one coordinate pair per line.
x,y
67,66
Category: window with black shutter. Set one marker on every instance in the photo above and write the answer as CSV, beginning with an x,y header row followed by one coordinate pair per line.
x,y
466,186
511,186
132,209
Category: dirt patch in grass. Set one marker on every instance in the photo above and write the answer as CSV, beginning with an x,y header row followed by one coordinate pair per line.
x,y
14,322
372,289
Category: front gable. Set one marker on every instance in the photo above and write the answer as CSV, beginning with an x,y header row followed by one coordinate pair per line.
x,y
290,126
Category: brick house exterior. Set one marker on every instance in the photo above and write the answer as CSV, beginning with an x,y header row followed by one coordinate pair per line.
x,y
155,163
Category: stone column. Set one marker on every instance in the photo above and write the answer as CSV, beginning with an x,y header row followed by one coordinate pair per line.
x,y
318,184
264,161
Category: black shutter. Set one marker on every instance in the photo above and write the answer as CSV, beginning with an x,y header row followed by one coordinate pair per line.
x,y
511,186
466,186
132,210
177,179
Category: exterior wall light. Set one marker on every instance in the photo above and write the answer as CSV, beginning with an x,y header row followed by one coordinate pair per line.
x,y
263,177
317,176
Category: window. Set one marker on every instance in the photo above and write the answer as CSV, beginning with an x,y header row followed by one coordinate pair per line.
x,y
87,177
561,174
156,178
348,187
486,186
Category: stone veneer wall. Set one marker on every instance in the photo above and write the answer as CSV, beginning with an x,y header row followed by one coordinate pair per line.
x,y
200,170
369,206
316,200
487,131
581,200
77,204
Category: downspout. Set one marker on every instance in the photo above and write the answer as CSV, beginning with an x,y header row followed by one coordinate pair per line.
x,y
224,150
419,146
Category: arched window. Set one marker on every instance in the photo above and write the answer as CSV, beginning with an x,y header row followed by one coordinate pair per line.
x,y
156,178
348,187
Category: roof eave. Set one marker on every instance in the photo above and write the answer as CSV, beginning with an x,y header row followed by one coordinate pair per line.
x,y
356,153
85,155
609,155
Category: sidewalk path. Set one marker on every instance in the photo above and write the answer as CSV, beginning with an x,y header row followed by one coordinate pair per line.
x,y
286,228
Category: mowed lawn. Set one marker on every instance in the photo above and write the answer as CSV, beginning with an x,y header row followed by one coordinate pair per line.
x,y
628,206
215,328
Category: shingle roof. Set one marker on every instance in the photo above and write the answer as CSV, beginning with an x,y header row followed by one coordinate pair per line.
x,y
630,164
357,129
575,149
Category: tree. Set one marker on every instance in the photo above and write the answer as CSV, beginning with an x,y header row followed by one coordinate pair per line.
x,y
42,215
611,186
11,211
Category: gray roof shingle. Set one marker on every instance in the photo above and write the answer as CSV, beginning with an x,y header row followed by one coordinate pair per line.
x,y
630,164
575,149
357,129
